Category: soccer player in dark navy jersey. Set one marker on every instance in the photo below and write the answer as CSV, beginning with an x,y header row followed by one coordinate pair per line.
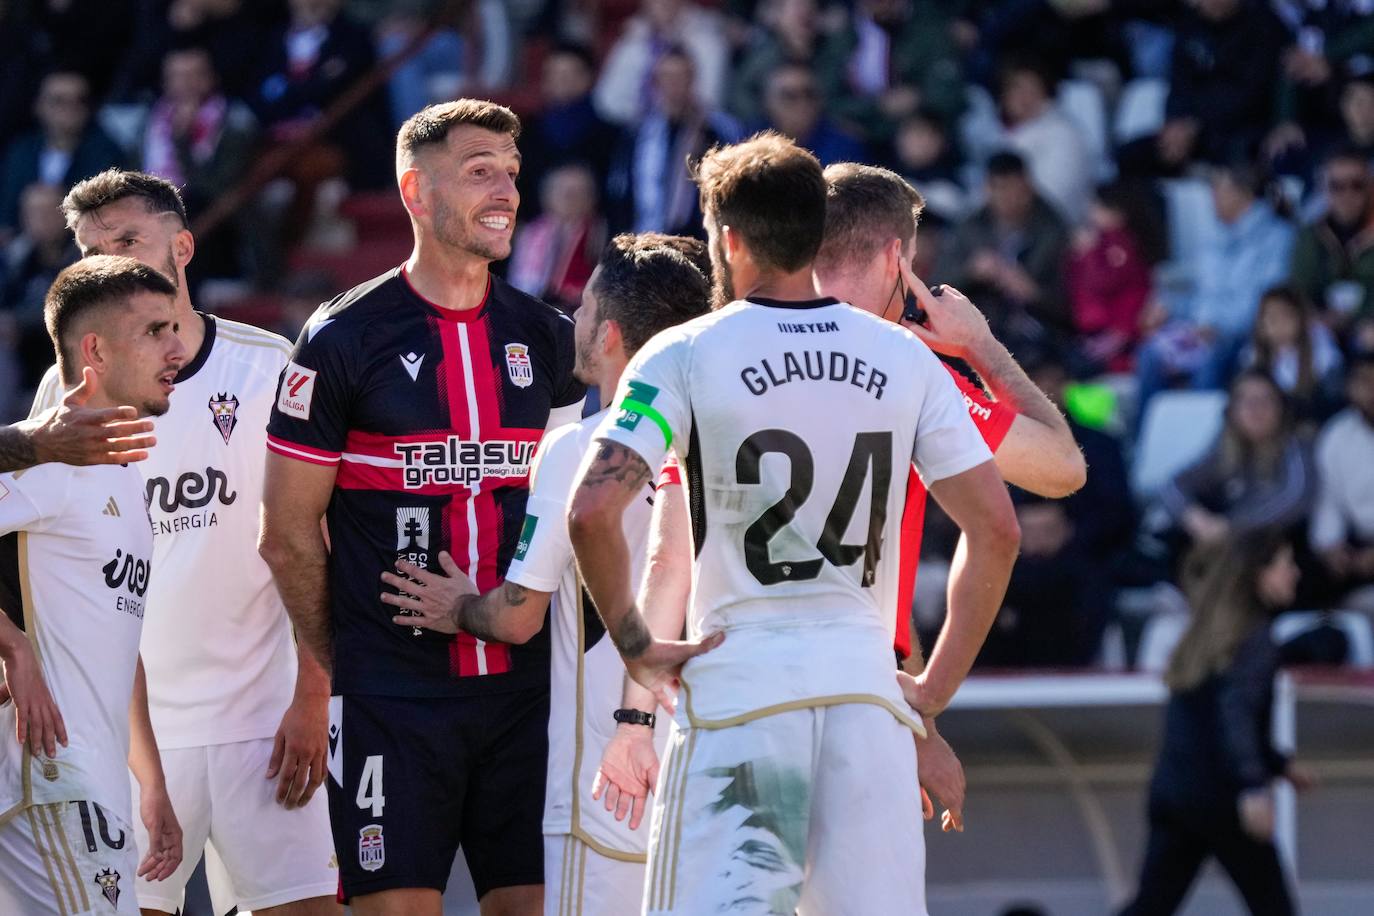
x,y
407,419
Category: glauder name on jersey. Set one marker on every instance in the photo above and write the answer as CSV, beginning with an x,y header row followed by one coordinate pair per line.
x,y
814,366
455,460
127,576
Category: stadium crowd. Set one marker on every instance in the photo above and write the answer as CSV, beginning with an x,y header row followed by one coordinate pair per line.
x,y
1140,196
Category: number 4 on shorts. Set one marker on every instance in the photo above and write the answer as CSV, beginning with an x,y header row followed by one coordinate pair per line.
x,y
370,786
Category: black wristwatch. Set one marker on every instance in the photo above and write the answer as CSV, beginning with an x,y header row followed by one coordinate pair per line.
x,y
634,717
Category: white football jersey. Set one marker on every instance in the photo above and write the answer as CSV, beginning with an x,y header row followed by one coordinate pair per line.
x,y
586,672
75,561
218,648
795,423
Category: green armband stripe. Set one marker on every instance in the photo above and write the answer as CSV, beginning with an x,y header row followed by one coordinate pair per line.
x,y
644,410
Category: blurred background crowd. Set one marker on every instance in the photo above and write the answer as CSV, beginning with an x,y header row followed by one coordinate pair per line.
x,y
1165,208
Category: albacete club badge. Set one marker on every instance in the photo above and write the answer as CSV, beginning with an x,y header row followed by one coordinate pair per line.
x,y
223,408
108,882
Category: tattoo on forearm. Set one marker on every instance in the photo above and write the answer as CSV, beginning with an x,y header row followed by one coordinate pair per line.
x,y
478,616
16,450
630,635
615,463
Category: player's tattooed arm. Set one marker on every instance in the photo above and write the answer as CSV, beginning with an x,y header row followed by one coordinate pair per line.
x,y
16,449
447,601
607,486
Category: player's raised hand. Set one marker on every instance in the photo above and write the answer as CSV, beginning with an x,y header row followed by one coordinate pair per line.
x,y
628,773
73,433
299,750
658,668
941,773
432,598
38,720
164,834
954,326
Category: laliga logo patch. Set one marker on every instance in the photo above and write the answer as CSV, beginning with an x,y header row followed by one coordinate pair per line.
x,y
223,408
518,365
108,882
371,848
297,390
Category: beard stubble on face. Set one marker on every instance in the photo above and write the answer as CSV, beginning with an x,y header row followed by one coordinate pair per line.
x,y
449,229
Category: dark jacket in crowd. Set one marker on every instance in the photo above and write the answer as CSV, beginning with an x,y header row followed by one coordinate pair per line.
x,y
95,153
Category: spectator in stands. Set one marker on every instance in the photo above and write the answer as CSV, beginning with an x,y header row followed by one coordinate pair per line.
x,y
307,66
1221,88
923,154
1057,601
628,76
31,262
201,141
1328,37
66,146
1210,794
1008,256
1247,255
231,30
1108,276
1031,123
20,66
554,254
1257,475
891,58
1102,511
792,103
1342,529
567,127
789,33
650,188
1333,258
1357,115
1298,351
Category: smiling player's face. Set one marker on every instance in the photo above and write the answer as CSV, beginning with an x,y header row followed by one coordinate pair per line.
x,y
471,186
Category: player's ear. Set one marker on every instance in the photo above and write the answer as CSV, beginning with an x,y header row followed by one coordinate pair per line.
x,y
183,247
409,182
732,242
612,340
92,349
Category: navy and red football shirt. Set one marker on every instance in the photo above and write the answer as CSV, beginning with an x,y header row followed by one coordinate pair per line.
x,y
432,417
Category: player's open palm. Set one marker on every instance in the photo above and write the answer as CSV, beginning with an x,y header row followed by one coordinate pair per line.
x,y
73,433
628,773
299,750
429,600
164,834
38,720
659,667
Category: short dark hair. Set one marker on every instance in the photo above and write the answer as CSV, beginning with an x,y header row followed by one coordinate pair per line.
x,y
1005,164
431,124
91,285
693,249
1360,360
646,286
772,193
1346,153
865,208
158,194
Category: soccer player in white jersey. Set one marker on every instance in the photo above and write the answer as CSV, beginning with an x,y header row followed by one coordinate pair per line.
x,y
77,554
871,216
790,780
231,707
592,862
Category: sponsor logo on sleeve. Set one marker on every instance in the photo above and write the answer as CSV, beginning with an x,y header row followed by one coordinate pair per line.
x,y
632,405
522,547
977,411
371,848
518,365
297,390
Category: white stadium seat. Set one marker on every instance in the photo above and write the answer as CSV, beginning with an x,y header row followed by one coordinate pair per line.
x,y
1178,428
1140,109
